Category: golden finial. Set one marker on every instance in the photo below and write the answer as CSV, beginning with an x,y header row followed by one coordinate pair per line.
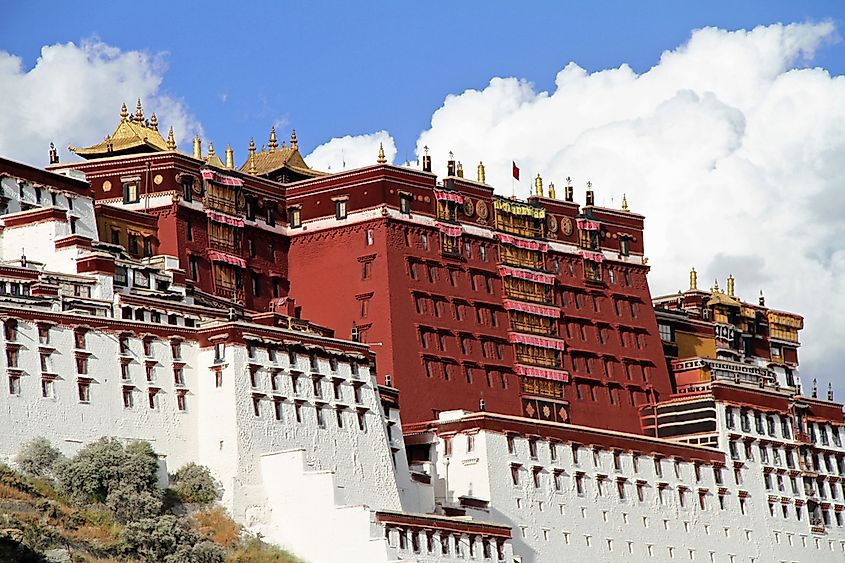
x,y
273,143
230,157
381,158
171,140
715,288
154,122
538,186
197,147
210,149
552,190
481,177
693,280
54,154
293,142
624,202
730,286
124,113
460,169
139,113
251,155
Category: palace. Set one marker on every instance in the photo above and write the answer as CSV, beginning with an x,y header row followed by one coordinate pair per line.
x,y
268,320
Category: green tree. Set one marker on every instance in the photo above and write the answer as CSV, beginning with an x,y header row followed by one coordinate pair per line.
x,y
37,457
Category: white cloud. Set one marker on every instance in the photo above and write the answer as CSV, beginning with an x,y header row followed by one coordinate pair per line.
x,y
351,151
735,158
72,96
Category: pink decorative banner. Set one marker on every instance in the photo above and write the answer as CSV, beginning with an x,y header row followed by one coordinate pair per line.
x,y
448,196
586,225
542,310
221,179
543,373
524,243
542,342
525,275
226,258
450,230
594,256
224,218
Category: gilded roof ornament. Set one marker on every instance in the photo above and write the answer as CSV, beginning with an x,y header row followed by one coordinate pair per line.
x,y
293,142
552,190
154,122
538,185
124,113
624,202
197,147
460,171
381,158
251,155
481,175
54,154
171,140
273,143
693,280
230,157
139,113
731,286
211,149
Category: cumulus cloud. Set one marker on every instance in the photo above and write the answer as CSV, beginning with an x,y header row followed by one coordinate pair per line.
x,y
73,95
730,146
351,151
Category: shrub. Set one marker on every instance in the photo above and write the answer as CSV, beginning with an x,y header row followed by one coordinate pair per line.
x,y
201,552
256,551
127,504
160,539
37,457
194,484
105,465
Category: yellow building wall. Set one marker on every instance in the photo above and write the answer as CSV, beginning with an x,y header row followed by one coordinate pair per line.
x,y
691,345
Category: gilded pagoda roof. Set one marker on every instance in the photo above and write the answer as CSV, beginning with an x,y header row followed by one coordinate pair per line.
x,y
132,135
269,160
719,298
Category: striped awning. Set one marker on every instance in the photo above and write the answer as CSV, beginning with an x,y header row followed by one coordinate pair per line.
x,y
221,179
226,258
544,373
534,340
588,255
542,310
450,230
524,243
448,196
547,279
224,218
586,225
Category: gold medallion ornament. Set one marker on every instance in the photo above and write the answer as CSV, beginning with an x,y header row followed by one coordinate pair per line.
x,y
469,207
551,223
481,209
566,226
107,186
158,179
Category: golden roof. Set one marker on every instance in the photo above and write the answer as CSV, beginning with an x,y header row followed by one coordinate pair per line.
x,y
133,134
266,162
719,298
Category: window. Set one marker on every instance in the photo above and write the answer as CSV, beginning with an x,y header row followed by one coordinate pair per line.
x,y
623,246
424,241
178,376
128,398
277,409
132,191
369,240
366,269
340,207
666,335
271,215
14,385
294,217
256,405
256,285
515,474
181,401
321,421
405,203
48,389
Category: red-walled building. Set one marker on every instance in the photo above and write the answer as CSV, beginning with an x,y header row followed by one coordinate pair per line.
x,y
538,308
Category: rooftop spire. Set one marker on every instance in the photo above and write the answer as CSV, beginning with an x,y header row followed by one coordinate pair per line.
x,y
552,190
273,143
124,113
693,280
624,202
251,155
830,391
154,122
381,158
54,154
730,286
293,142
230,157
171,141
815,389
481,177
210,149
197,147
139,113
460,170
538,185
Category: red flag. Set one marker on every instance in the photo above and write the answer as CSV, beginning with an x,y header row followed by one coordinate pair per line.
x,y
515,171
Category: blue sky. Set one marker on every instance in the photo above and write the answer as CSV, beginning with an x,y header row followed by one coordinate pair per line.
x,y
337,68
